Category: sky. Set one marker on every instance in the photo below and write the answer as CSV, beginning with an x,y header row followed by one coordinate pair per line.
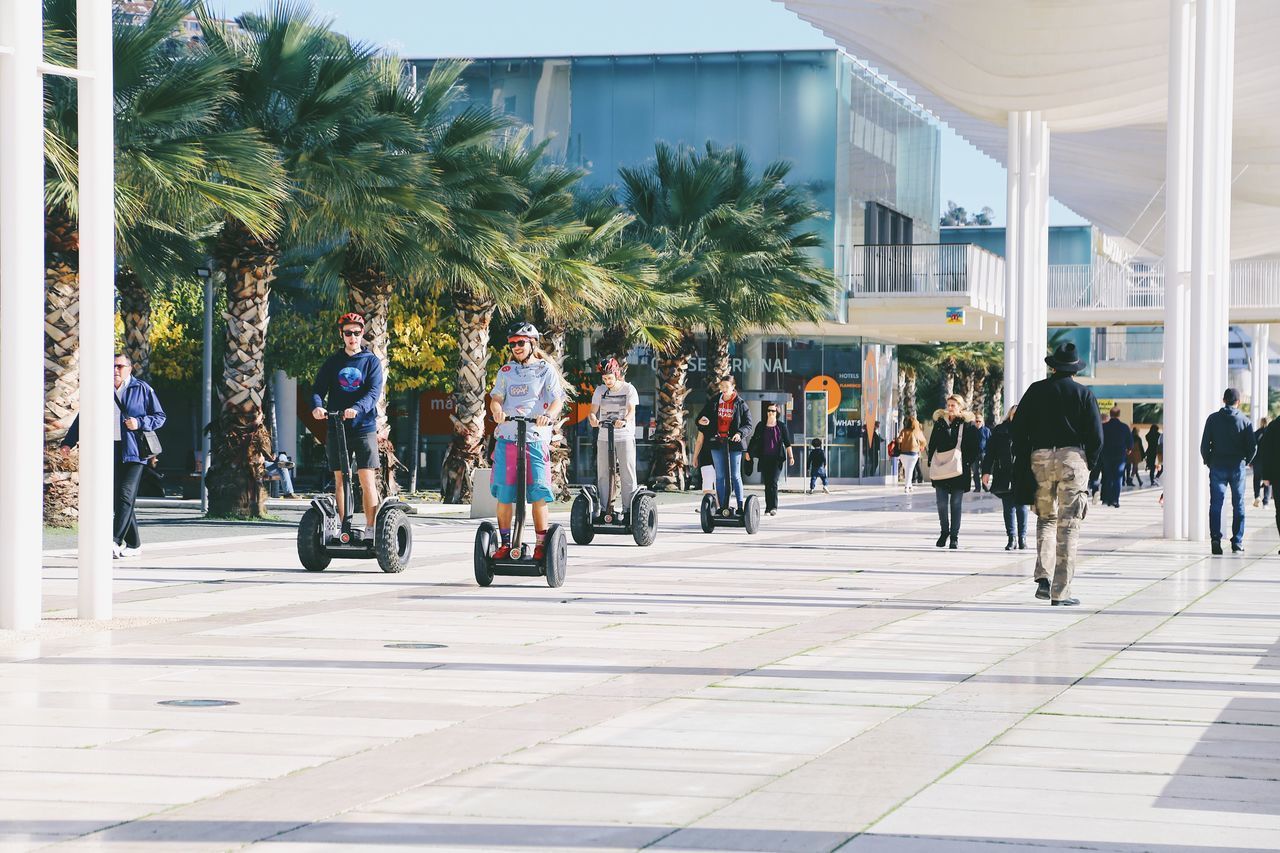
x,y
478,28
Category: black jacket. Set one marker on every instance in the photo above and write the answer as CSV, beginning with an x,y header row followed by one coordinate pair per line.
x,y
816,459
1058,412
1227,440
756,446
944,437
1269,451
740,424
1155,445
1259,462
998,460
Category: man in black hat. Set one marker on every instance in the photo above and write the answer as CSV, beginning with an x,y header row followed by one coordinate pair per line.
x,y
1226,446
1060,430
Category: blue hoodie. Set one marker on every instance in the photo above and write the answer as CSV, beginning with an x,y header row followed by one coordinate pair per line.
x,y
350,382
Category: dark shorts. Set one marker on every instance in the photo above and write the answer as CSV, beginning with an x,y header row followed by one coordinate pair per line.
x,y
365,447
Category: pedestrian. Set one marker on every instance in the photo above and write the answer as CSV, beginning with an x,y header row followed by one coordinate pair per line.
x,y
1260,490
1227,445
1117,441
910,442
1155,454
138,415
984,435
280,469
952,448
1133,463
770,445
615,401
1269,450
1058,432
350,381
816,466
871,444
728,423
998,472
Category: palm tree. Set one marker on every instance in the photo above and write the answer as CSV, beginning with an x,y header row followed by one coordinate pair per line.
x,y
177,174
311,93
913,362
734,239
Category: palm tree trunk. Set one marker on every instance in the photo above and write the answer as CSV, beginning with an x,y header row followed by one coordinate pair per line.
x,y
673,387
369,290
718,365
135,312
980,394
997,399
553,344
948,380
240,439
909,407
465,451
61,367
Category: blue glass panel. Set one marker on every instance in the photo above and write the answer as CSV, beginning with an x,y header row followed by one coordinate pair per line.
x,y
759,113
674,100
716,99
591,137
633,111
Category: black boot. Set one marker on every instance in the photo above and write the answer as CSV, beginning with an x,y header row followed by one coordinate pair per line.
x,y
954,541
1022,543
1009,546
942,540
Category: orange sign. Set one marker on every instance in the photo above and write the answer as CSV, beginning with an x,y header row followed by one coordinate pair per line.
x,y
826,383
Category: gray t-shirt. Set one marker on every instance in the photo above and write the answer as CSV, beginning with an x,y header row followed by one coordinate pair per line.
x,y
614,404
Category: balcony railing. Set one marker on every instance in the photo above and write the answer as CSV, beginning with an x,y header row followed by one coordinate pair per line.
x,y
1131,346
928,269
1138,285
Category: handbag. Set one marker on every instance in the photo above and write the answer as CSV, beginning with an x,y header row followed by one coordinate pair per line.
x,y
947,464
147,440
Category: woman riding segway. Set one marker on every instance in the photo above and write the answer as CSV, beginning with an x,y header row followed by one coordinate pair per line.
x,y
529,385
728,423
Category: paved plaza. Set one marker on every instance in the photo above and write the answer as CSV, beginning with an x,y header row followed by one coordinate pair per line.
x,y
835,682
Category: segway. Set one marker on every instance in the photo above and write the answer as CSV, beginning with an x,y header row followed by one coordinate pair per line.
x,y
588,516
324,534
521,562
712,515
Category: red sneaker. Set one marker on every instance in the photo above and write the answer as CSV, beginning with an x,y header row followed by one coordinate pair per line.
x,y
539,551
502,553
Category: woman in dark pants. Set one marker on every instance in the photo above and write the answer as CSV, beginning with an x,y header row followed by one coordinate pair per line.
x,y
1155,450
953,430
771,446
998,478
1269,450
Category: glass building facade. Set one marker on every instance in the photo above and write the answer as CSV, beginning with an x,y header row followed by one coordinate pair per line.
x,y
864,150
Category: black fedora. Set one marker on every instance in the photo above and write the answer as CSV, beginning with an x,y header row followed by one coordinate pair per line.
x,y
1065,359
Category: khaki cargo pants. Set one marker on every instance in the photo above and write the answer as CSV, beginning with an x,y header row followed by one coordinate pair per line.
x,y
1062,500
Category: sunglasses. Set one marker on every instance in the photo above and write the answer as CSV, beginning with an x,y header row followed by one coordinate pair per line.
x,y
352,333
521,343
122,366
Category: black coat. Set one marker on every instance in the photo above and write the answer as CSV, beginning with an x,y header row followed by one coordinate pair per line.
x,y
1269,449
756,446
740,423
998,460
943,438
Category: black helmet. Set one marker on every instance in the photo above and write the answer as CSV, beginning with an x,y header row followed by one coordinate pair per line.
x,y
522,329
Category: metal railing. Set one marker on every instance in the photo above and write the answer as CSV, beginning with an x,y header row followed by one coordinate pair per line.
x,y
1131,346
927,269
1140,285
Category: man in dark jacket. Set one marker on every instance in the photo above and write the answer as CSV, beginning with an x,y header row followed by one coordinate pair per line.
x,y
1269,468
137,410
983,432
350,381
1227,446
872,442
1117,441
1059,430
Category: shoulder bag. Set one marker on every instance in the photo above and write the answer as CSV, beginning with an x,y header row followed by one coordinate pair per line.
x,y
947,464
147,440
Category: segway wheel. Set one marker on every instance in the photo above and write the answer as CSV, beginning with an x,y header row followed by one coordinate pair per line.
x,y
751,514
644,520
580,521
707,514
393,542
486,545
556,556
311,551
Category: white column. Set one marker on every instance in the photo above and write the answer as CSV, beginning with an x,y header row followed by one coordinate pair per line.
x,y
1210,242
1012,284
285,394
1177,265
97,305
1038,275
21,313
1026,253
1261,371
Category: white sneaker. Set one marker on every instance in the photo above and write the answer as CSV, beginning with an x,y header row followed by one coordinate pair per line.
x,y
368,532
825,490
126,551
1257,502
115,550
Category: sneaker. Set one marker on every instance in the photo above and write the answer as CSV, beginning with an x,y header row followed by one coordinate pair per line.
x,y
1215,547
1257,502
539,551
825,490
1066,602
368,532
115,550
773,512
126,551
1237,549
502,553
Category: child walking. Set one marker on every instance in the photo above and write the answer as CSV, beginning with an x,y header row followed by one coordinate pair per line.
x,y
816,465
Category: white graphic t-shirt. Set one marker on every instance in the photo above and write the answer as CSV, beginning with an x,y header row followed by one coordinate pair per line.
x,y
613,404
527,390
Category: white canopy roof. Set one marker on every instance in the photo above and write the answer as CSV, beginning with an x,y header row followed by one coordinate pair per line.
x,y
1098,71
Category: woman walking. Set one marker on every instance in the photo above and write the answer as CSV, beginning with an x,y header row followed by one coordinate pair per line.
x,y
1133,462
998,478
1155,454
910,442
770,445
952,449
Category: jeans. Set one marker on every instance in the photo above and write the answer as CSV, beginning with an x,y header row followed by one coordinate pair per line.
x,y
949,505
728,465
976,472
819,473
769,470
1062,501
1220,479
1015,517
128,476
908,461
1260,490
1112,474
286,477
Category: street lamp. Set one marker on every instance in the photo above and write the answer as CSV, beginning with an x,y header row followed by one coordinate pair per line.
x,y
206,400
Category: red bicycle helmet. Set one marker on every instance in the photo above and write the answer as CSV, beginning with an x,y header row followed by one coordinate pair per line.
x,y
350,317
608,365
